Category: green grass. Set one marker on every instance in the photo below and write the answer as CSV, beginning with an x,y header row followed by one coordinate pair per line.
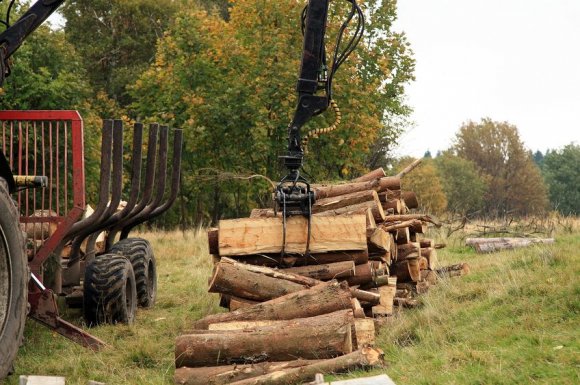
x,y
513,320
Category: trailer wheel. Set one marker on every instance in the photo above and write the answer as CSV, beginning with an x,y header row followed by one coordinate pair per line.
x,y
140,253
13,281
110,294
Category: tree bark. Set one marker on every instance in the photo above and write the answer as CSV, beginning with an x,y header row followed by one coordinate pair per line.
x,y
325,336
373,175
408,217
212,241
341,201
394,204
429,276
407,271
360,208
326,271
248,236
365,296
403,236
321,299
426,243
362,274
256,283
236,303
364,357
356,256
222,375
408,251
333,190
410,199
456,270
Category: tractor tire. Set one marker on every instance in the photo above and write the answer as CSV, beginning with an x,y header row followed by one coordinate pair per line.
x,y
140,253
109,293
13,282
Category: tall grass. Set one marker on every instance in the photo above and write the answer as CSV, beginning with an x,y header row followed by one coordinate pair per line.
x,y
513,320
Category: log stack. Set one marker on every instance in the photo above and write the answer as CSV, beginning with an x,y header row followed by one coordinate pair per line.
x,y
309,290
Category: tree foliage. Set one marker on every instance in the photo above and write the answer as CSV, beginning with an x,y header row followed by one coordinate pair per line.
x,y
425,181
116,39
514,181
464,188
562,173
230,84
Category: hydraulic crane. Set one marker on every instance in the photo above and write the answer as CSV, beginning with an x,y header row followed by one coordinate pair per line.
x,y
293,194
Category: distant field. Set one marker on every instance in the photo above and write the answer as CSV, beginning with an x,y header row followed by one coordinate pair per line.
x,y
514,320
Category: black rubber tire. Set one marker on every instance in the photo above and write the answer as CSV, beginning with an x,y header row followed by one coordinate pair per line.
x,y
13,282
110,294
140,253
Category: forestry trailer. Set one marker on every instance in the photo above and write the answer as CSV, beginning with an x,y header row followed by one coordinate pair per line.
x,y
51,242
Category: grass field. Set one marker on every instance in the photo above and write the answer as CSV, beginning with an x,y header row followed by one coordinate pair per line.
x,y
514,320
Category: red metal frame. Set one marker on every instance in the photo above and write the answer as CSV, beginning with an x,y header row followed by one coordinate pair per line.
x,y
49,127
53,127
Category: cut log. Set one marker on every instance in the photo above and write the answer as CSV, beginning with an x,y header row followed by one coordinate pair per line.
x,y
407,271
256,283
410,199
408,250
429,276
392,226
341,201
365,296
490,245
408,303
409,168
378,281
324,298
248,236
212,241
362,274
379,241
364,332
408,217
423,263
375,174
431,254
418,227
361,208
456,270
222,375
385,306
327,336
356,256
426,243
263,213
357,309
364,357
333,190
394,204
236,303
403,236
389,183
325,272
371,222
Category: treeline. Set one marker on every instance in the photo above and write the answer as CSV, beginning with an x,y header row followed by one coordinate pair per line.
x,y
225,72
489,172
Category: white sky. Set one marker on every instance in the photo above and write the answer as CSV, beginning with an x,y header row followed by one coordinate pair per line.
x,y
510,60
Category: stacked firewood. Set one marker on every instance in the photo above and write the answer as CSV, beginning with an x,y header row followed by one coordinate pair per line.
x,y
309,290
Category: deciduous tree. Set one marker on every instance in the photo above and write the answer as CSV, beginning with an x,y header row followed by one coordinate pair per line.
x,y
514,181
562,173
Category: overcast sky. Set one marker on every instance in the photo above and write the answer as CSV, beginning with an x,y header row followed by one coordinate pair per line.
x,y
510,60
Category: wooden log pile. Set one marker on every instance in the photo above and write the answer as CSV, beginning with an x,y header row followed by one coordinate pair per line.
x,y
302,301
